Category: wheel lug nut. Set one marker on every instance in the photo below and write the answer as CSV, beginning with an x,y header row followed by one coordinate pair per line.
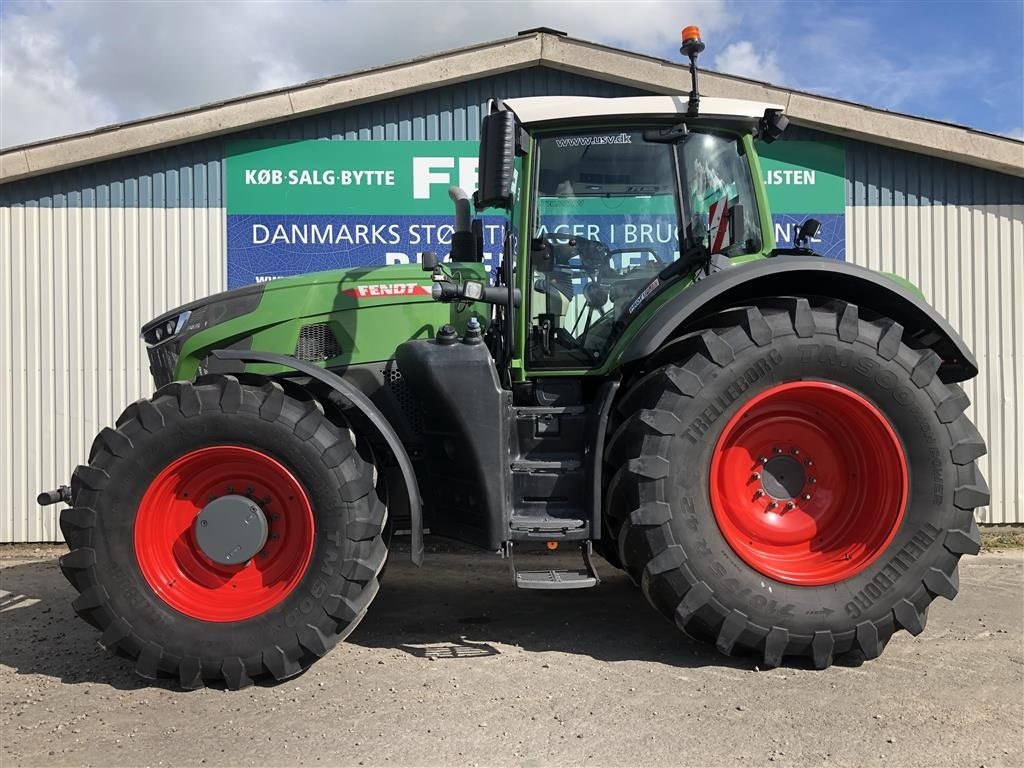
x,y
809,463
778,450
758,493
812,480
763,459
772,505
790,505
755,476
807,497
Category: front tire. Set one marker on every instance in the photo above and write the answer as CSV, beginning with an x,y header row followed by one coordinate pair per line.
x,y
169,595
719,517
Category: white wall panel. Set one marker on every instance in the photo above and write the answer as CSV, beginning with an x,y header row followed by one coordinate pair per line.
x,y
76,284
969,261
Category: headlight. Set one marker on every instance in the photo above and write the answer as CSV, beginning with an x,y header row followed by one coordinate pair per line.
x,y
167,329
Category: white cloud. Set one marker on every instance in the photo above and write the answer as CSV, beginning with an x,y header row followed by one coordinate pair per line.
x,y
743,59
40,88
74,66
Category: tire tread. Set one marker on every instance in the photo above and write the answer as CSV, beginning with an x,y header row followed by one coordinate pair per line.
x,y
639,515
361,537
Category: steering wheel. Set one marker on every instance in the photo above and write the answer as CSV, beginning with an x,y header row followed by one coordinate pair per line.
x,y
654,259
593,254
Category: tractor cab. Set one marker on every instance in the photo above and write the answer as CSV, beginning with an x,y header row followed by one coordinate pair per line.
x,y
621,196
609,201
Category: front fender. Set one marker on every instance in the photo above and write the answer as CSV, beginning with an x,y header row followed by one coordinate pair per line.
x,y
369,410
807,276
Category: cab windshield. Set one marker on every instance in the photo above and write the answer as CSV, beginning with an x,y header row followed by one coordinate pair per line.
x,y
607,221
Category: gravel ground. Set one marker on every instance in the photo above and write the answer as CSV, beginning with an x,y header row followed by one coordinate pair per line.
x,y
454,666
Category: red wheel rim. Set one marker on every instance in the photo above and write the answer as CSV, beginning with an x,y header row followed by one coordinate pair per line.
x,y
808,483
178,570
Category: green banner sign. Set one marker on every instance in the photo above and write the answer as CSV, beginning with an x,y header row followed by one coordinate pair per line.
x,y
347,177
804,176
412,177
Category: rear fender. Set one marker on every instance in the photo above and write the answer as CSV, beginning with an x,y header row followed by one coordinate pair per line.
x,y
807,276
373,414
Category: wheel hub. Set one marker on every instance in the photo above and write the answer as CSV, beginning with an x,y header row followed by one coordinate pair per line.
x,y
783,477
231,530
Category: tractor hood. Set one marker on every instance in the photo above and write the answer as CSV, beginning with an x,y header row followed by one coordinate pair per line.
x,y
292,296
309,317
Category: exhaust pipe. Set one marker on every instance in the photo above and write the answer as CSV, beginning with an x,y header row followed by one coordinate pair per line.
x,y
461,200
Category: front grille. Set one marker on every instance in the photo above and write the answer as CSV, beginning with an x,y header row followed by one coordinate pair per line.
x,y
163,361
317,343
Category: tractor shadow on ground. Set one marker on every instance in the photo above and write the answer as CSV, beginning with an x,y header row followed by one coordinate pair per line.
x,y
41,635
464,605
460,605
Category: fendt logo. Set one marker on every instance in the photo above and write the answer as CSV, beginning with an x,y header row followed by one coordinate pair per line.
x,y
382,290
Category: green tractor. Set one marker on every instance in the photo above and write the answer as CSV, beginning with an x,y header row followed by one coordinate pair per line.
x,y
771,445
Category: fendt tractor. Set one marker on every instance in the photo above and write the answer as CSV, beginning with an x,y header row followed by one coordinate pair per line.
x,y
772,445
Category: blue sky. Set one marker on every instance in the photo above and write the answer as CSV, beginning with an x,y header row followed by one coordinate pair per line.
x,y
960,62
73,66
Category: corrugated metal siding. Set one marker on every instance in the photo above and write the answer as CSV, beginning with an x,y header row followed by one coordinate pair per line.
x,y
190,175
77,285
187,175
90,254
958,233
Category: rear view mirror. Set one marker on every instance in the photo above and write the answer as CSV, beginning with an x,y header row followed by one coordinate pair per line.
x,y
772,125
807,232
498,147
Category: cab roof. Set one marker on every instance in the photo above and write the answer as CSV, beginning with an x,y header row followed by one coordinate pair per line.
x,y
542,109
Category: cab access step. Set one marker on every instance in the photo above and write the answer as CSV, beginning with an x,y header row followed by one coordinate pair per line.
x,y
555,578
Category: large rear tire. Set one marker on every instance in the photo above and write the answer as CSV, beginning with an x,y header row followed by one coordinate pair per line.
x,y
799,483
168,594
